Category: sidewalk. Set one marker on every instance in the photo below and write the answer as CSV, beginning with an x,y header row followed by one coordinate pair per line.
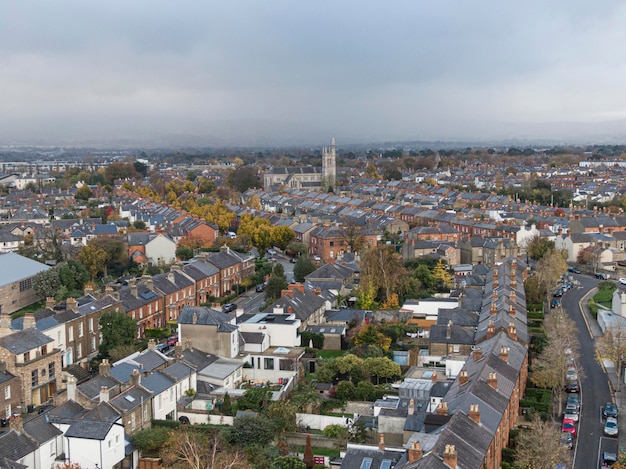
x,y
619,397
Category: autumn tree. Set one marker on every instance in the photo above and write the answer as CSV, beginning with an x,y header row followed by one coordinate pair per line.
x,y
84,192
537,247
190,448
352,235
539,446
370,334
382,271
549,270
281,236
441,275
116,252
612,346
92,259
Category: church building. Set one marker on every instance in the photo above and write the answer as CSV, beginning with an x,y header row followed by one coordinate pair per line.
x,y
306,177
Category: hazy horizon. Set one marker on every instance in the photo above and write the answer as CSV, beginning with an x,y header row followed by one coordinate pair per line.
x,y
282,73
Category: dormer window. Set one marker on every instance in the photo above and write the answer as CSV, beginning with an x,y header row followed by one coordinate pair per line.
x,y
44,349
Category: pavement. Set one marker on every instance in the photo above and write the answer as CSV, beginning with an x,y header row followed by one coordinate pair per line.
x,y
619,397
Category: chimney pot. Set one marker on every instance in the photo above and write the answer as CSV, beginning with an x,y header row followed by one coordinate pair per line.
x,y
442,408
492,381
415,452
474,413
504,354
449,456
381,442
463,378
477,354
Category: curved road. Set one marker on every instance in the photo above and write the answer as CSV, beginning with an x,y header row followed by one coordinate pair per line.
x,y
594,383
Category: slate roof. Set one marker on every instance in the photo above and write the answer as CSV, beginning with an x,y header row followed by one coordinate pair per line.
x,y
6,376
253,337
130,399
156,383
302,305
6,463
14,446
89,430
40,430
22,341
354,458
204,316
91,388
178,371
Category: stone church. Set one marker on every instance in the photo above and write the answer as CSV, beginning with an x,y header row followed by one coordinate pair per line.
x,y
306,177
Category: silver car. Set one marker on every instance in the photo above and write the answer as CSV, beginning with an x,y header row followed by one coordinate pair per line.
x,y
610,427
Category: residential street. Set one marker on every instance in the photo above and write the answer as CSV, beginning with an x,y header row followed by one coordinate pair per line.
x,y
594,383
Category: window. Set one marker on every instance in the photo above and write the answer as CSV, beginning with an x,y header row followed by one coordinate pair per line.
x,y
34,378
90,324
51,371
71,333
7,392
386,464
26,284
80,329
93,344
26,356
7,412
110,443
132,422
366,463
44,349
268,363
79,350
456,348
286,364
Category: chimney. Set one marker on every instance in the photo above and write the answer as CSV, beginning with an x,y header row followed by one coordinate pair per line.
x,y
433,377
194,318
105,367
50,302
504,354
474,413
278,310
511,331
492,381
491,330
147,281
151,344
88,289
512,297
289,310
511,310
178,351
16,424
29,321
411,407
71,304
494,296
449,456
415,452
381,442
463,378
170,277
135,378
442,408
133,286
104,394
188,345
493,310
71,388
477,354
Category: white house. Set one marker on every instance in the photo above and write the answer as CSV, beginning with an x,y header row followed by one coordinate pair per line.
x,y
161,250
281,329
276,364
164,395
92,443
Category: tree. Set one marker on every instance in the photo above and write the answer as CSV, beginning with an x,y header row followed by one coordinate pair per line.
x,y
345,390
425,276
190,448
84,192
191,176
549,270
371,335
442,276
151,440
206,186
308,453
289,462
117,329
538,446
92,259
244,178
116,253
383,271
537,247
370,172
352,235
281,236
247,431
47,282
227,407
283,414
115,171
382,367
612,346
303,267
255,399
276,284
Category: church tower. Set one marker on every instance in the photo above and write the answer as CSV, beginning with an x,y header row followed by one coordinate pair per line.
x,y
329,171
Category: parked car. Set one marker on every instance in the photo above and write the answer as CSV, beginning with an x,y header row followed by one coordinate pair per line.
x,y
608,459
172,341
571,374
293,260
571,412
567,286
45,408
622,280
558,292
610,427
260,287
572,387
601,276
567,440
569,426
573,400
555,303
609,410
573,270
229,307
317,258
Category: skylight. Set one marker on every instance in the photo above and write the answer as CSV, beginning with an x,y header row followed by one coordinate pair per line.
x,y
129,398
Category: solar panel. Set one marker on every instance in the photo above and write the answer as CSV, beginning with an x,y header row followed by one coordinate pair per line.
x,y
147,295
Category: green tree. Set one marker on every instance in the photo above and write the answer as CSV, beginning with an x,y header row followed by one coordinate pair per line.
x,y
255,399
382,272
184,253
382,367
116,253
139,224
151,440
227,407
276,284
425,276
303,267
206,186
283,414
115,171
538,247
345,390
140,168
84,192
288,462
247,431
370,334
73,275
244,178
365,391
191,176
92,259
117,329
47,282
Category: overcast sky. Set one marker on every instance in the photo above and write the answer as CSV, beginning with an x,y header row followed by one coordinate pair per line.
x,y
304,71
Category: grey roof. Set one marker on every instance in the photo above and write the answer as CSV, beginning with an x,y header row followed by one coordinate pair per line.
x,y
22,341
156,383
14,268
6,463
204,316
253,337
91,388
150,360
354,457
6,376
15,446
122,371
178,371
130,399
198,359
89,430
40,430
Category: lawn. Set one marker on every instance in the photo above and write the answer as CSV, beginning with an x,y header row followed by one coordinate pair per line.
x,y
325,354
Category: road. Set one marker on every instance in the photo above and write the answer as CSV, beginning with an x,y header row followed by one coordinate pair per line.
x,y
594,384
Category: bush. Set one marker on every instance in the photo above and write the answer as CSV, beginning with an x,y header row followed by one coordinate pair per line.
x,y
166,423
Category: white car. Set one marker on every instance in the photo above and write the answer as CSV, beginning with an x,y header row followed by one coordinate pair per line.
x,y
571,374
622,280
